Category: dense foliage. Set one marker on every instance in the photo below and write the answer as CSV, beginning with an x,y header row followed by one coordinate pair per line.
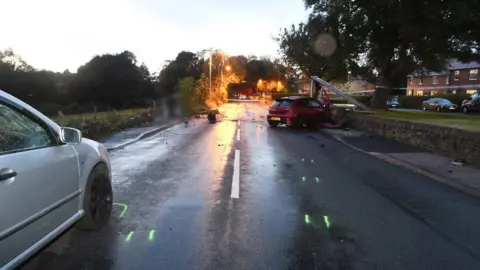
x,y
119,81
382,39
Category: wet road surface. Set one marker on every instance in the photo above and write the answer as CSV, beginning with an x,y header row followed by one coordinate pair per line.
x,y
304,201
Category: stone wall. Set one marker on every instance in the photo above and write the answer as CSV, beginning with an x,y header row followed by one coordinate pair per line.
x,y
452,142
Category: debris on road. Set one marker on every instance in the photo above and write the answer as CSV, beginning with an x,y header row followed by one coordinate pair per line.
x,y
212,117
459,162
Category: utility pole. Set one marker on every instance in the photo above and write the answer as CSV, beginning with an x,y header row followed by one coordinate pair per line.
x,y
221,70
210,65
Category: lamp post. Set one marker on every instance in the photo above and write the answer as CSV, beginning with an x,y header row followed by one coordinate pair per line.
x,y
228,68
210,70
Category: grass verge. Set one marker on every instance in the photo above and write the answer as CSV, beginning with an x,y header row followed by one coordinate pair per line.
x,y
124,114
453,120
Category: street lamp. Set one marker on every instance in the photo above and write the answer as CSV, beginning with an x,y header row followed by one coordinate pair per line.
x,y
228,68
219,65
210,69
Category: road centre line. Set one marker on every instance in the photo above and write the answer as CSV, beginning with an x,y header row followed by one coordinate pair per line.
x,y
236,176
238,134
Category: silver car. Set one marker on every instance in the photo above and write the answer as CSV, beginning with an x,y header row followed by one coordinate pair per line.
x,y
50,179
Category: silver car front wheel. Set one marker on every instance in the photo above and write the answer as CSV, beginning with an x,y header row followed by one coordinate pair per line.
x,y
97,200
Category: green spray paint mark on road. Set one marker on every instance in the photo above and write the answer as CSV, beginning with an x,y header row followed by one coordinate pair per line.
x,y
303,179
307,219
151,235
125,207
327,221
317,180
129,236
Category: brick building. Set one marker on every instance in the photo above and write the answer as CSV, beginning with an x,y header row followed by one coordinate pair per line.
x,y
457,78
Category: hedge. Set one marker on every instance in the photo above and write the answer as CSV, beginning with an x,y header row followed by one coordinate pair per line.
x,y
361,98
415,102
411,102
408,102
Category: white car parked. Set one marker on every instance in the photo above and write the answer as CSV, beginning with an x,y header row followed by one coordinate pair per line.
x,y
50,179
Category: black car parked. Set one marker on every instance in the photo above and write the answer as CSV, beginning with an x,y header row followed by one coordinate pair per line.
x,y
471,104
439,104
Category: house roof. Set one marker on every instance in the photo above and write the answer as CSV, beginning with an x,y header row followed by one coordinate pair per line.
x,y
428,73
469,86
455,64
452,65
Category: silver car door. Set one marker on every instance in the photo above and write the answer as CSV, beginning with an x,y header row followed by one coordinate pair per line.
x,y
39,181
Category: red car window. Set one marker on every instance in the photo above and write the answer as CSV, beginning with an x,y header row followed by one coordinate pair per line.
x,y
283,103
314,103
303,102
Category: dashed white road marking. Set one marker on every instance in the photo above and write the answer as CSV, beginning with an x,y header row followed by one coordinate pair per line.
x,y
238,134
236,176
238,122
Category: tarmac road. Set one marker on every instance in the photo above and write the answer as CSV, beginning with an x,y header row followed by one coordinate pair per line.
x,y
241,195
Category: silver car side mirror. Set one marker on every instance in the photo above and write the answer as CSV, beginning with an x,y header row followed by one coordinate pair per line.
x,y
70,135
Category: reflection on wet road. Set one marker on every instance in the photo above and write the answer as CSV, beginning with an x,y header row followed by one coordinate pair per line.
x,y
241,195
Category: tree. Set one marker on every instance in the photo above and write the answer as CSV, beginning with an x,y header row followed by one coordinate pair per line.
x,y
389,38
20,79
297,45
186,64
186,88
263,69
203,88
238,63
147,90
13,62
197,66
112,80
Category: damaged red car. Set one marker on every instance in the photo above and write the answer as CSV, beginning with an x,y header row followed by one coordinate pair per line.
x,y
297,111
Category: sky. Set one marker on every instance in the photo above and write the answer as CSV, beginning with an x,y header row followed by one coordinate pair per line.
x,y
65,34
